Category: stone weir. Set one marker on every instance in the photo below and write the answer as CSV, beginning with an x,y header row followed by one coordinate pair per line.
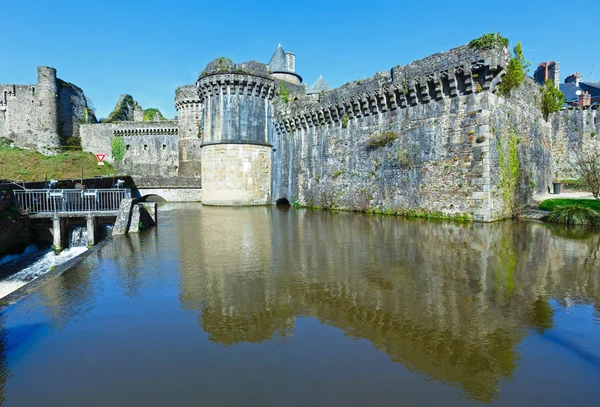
x,y
236,148
427,138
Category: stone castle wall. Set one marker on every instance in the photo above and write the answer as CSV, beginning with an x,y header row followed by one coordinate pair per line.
x,y
152,148
236,174
189,116
41,116
436,114
573,131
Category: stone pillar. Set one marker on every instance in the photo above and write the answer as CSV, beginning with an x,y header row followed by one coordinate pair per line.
x,y
56,234
91,231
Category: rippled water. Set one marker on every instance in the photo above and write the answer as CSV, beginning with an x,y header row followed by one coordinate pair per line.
x,y
278,307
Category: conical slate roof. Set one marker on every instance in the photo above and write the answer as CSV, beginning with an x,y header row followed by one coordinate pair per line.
x,y
319,86
278,62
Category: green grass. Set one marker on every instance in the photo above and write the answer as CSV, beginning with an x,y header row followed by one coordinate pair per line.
x,y
28,165
574,215
551,204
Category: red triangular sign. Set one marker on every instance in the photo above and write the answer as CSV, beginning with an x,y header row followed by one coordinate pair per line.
x,y
100,157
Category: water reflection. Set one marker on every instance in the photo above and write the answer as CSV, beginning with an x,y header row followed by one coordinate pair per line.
x,y
450,301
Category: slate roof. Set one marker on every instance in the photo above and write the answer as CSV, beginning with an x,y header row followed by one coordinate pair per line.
x,y
569,90
592,87
278,62
319,86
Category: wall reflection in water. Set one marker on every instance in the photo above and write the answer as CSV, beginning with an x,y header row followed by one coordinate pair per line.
x,y
450,301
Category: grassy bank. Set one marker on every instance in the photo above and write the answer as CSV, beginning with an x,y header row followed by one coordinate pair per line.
x,y
27,165
551,204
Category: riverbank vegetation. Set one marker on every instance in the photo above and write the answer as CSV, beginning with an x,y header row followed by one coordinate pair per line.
x,y
574,215
551,204
27,165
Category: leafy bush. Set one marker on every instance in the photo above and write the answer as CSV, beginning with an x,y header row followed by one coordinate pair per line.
x,y
574,215
150,114
118,148
284,93
381,139
588,167
345,120
552,99
515,72
489,41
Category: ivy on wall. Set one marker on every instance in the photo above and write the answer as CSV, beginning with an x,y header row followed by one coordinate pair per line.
x,y
117,145
510,166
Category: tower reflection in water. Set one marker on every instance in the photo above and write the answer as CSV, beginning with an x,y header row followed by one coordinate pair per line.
x,y
449,301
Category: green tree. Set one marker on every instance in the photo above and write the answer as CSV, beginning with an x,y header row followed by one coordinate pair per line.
x,y
552,99
515,71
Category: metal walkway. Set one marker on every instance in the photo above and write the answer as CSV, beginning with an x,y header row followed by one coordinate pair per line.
x,y
71,202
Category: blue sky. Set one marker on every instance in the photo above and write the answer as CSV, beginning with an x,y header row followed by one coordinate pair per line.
x,y
149,48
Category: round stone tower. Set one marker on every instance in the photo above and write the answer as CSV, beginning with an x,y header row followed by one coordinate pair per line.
x,y
189,119
236,152
46,93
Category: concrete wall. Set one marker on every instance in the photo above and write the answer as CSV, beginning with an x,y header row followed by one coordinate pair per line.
x,y
236,174
172,194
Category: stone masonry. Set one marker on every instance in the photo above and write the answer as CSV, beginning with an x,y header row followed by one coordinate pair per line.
x,y
42,116
431,137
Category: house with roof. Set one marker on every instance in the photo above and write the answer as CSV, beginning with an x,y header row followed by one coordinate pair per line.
x,y
579,93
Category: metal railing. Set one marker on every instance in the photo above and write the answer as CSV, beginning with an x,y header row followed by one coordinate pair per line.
x,y
38,201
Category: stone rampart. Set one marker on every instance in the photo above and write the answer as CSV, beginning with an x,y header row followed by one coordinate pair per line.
x,y
189,115
458,72
573,130
151,147
430,138
41,116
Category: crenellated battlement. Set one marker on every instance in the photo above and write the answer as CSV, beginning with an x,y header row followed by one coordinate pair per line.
x,y
235,84
458,72
146,131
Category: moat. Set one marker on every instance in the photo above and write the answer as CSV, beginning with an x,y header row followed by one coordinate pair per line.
x,y
276,306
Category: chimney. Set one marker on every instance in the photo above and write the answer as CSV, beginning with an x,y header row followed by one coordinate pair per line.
x,y
585,99
574,78
291,61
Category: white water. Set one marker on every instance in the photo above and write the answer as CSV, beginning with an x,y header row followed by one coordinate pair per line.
x,y
43,261
78,236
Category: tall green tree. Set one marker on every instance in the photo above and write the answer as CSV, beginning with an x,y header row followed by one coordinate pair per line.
x,y
517,67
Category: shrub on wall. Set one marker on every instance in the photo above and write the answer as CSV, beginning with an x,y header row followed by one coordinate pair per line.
x,y
118,148
552,99
515,72
381,139
151,113
489,41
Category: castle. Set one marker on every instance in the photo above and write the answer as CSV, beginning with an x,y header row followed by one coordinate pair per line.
x,y
430,137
